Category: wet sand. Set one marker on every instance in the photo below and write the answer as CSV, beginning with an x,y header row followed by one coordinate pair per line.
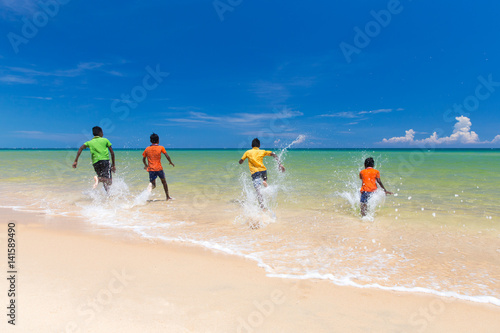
x,y
73,277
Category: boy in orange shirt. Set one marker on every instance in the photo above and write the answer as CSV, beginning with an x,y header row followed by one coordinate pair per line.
x,y
369,177
153,165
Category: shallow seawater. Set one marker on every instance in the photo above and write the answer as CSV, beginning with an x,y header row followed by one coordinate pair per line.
x,y
439,233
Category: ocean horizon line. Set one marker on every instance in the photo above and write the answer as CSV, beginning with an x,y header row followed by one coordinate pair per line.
x,y
294,149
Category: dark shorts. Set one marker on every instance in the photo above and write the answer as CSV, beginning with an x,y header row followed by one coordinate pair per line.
x,y
365,196
259,175
154,174
103,169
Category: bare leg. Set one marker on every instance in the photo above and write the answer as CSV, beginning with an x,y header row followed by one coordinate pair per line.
x,y
96,182
106,182
165,187
259,196
153,183
363,208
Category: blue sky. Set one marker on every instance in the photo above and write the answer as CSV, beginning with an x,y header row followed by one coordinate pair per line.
x,y
206,74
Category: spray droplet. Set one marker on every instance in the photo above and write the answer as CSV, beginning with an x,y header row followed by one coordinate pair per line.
x,y
409,198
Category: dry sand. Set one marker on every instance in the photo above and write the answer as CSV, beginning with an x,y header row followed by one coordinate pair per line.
x,y
74,278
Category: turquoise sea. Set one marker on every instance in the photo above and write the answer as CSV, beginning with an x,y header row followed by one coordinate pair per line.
x,y
439,233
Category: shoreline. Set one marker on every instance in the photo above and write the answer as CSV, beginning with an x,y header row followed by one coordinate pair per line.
x,y
73,279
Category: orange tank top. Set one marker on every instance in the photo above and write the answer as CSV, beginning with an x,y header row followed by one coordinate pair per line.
x,y
369,177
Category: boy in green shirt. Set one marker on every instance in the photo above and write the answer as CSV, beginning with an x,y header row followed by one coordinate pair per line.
x,y
100,149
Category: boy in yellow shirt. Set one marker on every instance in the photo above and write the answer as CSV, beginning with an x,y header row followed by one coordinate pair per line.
x,y
257,168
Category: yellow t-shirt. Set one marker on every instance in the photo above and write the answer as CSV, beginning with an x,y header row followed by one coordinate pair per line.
x,y
255,157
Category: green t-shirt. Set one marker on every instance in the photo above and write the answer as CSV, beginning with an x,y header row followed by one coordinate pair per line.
x,y
98,149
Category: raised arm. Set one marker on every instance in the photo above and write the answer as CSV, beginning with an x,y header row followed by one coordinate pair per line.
x,y
112,153
169,160
75,163
281,167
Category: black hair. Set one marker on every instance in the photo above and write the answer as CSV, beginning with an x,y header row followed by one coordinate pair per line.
x,y
154,138
256,143
96,130
369,162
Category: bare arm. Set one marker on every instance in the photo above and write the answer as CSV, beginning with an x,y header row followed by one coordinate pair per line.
x,y
169,160
382,185
113,168
281,167
243,158
75,163
145,164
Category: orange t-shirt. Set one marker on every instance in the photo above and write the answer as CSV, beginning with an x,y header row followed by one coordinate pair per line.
x,y
153,154
369,177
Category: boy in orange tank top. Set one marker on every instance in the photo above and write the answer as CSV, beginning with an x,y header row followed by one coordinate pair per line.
x,y
153,156
369,177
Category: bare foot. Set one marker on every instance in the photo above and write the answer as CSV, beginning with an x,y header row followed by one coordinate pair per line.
x,y
170,198
254,225
96,182
264,183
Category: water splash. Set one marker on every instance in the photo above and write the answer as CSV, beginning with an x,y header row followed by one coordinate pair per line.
x,y
116,206
352,185
252,213
301,138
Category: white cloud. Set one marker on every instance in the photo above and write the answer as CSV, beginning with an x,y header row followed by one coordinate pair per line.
x,y
358,114
23,75
410,134
344,114
39,97
379,111
237,118
19,7
462,134
80,68
16,79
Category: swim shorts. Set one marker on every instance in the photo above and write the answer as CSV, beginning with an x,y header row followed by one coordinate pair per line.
x,y
102,169
260,174
154,174
365,196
